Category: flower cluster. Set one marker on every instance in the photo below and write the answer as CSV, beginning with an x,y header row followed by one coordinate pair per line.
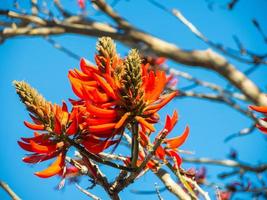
x,y
52,123
115,95
262,125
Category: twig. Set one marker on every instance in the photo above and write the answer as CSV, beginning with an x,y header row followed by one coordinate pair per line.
x,y
206,84
136,173
148,192
112,156
10,192
94,157
135,144
232,4
113,15
258,27
205,59
199,189
227,51
62,48
158,192
243,132
87,193
171,185
228,163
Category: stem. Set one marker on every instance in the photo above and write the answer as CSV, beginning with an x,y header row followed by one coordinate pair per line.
x,y
135,144
96,158
11,193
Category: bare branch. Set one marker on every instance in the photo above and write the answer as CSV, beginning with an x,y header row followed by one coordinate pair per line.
x,y
205,59
10,192
171,185
198,188
228,163
87,193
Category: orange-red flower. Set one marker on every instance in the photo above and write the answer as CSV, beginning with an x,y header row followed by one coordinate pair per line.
x,y
118,92
50,143
169,149
262,125
113,95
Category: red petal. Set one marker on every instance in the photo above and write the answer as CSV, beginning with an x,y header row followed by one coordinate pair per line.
x,y
99,112
36,158
142,121
261,109
176,142
42,148
37,127
53,169
176,158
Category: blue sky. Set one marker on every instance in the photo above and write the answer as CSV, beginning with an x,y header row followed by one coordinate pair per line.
x,y
45,68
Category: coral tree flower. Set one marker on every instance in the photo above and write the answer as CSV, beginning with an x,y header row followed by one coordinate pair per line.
x,y
113,95
262,125
53,122
169,148
116,93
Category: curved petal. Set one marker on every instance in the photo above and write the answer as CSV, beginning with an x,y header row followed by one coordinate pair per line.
x,y
36,127
261,109
176,142
53,169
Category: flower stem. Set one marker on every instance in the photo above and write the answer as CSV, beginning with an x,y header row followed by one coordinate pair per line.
x,y
135,144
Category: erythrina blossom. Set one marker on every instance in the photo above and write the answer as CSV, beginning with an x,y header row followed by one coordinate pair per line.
x,y
262,125
50,123
117,93
114,95
170,147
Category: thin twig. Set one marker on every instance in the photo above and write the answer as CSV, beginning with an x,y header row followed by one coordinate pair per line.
x,y
228,163
198,188
10,192
94,197
96,158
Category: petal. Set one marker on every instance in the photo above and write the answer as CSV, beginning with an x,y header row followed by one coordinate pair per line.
x,y
36,158
53,169
25,146
36,127
120,123
98,147
98,121
162,102
42,148
87,68
176,158
73,127
176,142
105,86
144,139
101,127
100,112
160,153
142,121
57,125
171,121
261,109
38,138
262,128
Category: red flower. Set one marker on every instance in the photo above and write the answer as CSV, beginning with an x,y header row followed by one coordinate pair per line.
x,y
49,143
118,92
170,149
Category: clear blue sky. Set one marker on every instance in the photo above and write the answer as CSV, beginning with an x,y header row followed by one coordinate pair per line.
x,y
45,68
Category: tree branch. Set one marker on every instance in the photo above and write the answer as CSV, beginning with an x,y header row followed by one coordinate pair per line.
x,y
228,163
206,59
10,192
